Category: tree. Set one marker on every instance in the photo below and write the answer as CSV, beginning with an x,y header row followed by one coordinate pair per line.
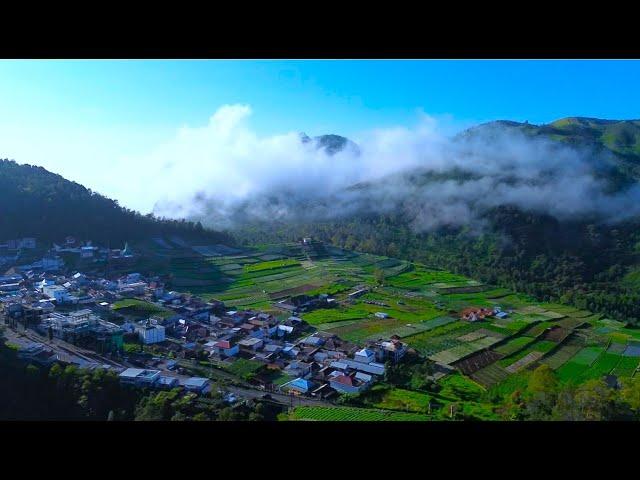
x,y
378,275
592,401
543,380
630,394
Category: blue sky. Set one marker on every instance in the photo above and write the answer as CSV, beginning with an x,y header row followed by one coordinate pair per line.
x,y
316,96
60,114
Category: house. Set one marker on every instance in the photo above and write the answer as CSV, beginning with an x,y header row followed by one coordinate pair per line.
x,y
139,376
250,344
354,383
168,382
150,333
373,368
381,315
341,366
225,348
313,340
197,384
365,356
272,348
392,350
58,293
299,385
291,351
297,368
36,352
358,293
284,330
474,314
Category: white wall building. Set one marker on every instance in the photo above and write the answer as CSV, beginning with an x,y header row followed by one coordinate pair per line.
x,y
150,333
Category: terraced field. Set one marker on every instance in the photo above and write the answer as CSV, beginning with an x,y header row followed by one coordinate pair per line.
x,y
348,414
423,306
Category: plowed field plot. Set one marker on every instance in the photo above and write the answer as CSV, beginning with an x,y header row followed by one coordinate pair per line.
x,y
616,348
587,355
570,323
632,351
456,353
556,334
602,366
490,375
293,291
626,366
524,361
478,361
470,337
512,346
563,354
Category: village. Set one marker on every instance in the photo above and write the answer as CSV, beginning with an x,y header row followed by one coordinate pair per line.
x,y
146,333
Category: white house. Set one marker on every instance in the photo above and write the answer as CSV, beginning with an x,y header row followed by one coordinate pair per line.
x,y
149,333
57,293
365,356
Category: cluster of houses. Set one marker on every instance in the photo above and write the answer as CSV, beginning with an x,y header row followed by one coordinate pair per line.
x,y
86,250
475,314
322,364
81,308
312,363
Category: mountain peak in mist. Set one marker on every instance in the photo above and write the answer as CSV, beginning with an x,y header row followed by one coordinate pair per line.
x,y
331,143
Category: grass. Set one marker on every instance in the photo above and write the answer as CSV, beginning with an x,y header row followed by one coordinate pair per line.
x,y
133,306
459,387
270,265
404,400
587,355
571,371
419,276
542,346
626,366
602,366
514,345
506,387
243,368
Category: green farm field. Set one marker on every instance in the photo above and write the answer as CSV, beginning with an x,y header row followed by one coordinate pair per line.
x,y
423,305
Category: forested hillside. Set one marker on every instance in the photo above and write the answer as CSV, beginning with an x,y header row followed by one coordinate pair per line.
x,y
588,261
35,202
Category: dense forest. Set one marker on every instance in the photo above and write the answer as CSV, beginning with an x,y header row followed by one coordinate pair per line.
x,y
586,265
35,202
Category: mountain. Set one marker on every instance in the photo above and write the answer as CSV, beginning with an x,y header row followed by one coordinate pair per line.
x,y
618,137
506,228
332,144
35,202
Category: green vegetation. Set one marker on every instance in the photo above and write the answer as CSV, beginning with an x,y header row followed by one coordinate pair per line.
x,y
404,400
348,414
35,202
244,369
140,308
271,265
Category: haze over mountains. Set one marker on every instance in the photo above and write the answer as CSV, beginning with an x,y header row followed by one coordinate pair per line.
x,y
550,210
572,169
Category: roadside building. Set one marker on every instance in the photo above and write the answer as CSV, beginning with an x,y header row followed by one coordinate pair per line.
x,y
197,385
150,333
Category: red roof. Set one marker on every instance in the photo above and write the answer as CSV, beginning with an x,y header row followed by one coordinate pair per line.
x,y
223,344
344,379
